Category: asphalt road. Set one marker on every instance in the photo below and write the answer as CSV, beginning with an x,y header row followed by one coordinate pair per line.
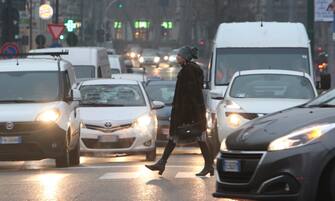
x,y
103,178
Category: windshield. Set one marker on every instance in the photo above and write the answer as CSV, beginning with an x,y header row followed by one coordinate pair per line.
x,y
112,95
272,86
163,93
231,60
29,86
115,71
84,71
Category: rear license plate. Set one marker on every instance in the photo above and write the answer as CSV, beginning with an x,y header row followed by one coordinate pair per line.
x,y
231,165
108,138
165,131
10,140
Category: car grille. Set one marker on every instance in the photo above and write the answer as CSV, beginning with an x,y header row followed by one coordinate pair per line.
x,y
249,163
108,130
22,127
121,144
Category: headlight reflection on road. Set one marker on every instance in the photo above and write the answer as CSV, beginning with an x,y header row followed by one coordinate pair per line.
x,y
50,183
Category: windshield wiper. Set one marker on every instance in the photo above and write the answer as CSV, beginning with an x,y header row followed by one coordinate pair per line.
x,y
19,101
322,105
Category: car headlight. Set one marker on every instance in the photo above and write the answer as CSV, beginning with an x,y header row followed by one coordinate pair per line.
x,y
145,121
300,137
133,55
172,58
156,59
234,120
49,116
141,60
166,58
82,125
223,145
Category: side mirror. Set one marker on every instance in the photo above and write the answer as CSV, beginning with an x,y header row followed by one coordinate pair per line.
x,y
325,81
156,105
76,96
216,96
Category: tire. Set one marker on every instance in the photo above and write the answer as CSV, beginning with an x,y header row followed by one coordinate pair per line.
x,y
214,142
64,159
75,155
151,155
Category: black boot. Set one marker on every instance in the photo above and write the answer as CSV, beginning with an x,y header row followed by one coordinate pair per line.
x,y
206,153
160,165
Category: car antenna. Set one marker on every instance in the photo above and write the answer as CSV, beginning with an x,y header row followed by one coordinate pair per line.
x,y
262,22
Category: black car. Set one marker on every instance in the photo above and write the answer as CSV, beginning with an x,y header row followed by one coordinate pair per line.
x,y
162,90
288,155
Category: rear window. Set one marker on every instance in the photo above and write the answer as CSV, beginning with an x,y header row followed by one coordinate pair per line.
x,y
84,71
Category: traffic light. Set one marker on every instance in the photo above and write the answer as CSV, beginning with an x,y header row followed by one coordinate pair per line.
x,y
10,20
119,5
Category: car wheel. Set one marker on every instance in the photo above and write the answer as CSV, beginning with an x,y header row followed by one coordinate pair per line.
x,y
75,155
64,159
215,142
151,155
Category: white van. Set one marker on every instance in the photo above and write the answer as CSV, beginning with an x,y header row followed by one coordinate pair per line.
x,y
254,45
88,62
38,118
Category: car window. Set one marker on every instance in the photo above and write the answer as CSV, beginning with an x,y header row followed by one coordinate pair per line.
x,y
163,93
29,86
272,86
113,95
84,71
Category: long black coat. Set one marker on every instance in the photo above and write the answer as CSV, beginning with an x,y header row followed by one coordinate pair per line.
x,y
188,103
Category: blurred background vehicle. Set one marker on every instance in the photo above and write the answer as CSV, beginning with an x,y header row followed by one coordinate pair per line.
x,y
162,90
117,64
149,57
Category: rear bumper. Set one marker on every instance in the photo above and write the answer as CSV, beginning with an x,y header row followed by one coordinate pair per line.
x,y
47,142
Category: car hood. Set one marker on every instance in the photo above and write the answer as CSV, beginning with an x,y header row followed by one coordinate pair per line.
x,y
22,112
112,114
266,106
256,135
164,113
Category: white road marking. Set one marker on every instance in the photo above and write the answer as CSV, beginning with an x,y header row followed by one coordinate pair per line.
x,y
128,166
120,175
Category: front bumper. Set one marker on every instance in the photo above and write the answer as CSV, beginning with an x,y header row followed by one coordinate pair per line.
x,y
280,175
37,141
127,140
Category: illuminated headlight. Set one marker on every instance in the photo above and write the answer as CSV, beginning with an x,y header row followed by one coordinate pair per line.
x,y
49,116
156,59
223,145
166,58
141,60
300,137
145,121
132,55
172,58
234,120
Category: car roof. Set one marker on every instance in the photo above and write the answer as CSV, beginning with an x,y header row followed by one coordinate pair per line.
x,y
109,81
33,64
271,71
261,34
130,76
161,82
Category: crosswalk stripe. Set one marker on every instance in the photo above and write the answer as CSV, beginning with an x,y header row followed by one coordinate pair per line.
x,y
187,175
129,166
120,175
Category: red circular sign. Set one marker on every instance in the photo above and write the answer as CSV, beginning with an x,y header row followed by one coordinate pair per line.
x,y
10,49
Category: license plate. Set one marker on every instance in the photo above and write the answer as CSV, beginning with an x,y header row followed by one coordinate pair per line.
x,y
108,138
165,131
231,166
10,140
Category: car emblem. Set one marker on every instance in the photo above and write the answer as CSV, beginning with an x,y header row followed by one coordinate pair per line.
x,y
108,125
9,125
244,136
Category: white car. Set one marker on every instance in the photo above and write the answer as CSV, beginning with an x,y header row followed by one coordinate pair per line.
x,y
255,93
131,76
38,119
117,117
116,63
